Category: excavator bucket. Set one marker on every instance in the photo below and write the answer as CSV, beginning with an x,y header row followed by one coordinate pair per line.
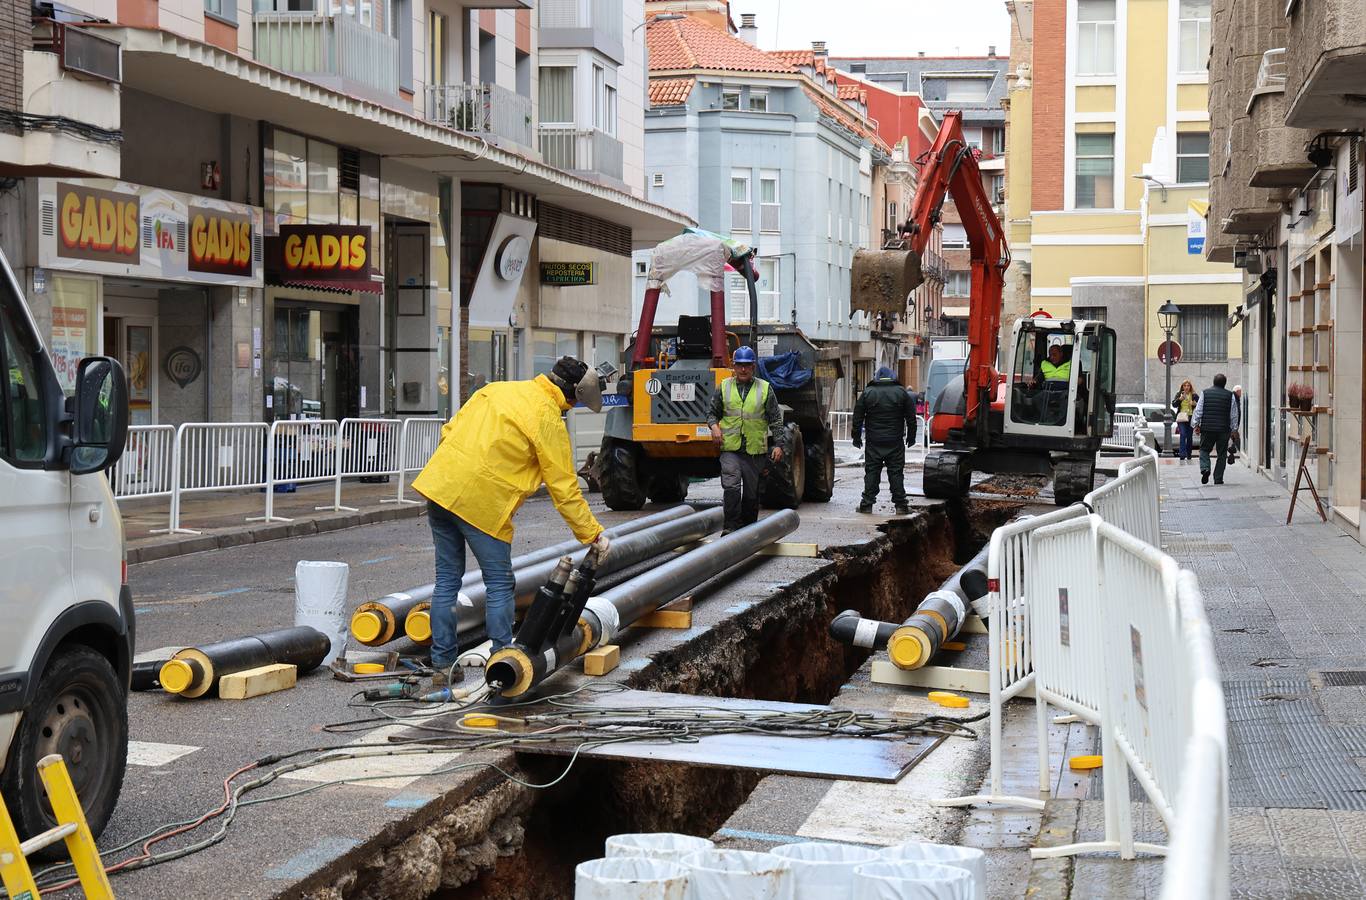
x,y
883,279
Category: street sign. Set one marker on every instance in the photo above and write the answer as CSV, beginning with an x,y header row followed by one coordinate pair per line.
x,y
1169,347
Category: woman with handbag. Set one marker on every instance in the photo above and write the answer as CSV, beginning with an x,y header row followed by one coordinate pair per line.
x,y
1184,403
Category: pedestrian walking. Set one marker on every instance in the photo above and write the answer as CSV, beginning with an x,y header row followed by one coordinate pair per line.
x,y
744,417
1184,403
1216,419
506,441
1235,441
888,411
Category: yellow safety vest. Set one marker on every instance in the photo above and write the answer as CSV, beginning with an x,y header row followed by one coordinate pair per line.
x,y
744,418
1061,372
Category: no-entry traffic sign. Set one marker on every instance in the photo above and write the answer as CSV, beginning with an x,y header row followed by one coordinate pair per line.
x,y
1166,348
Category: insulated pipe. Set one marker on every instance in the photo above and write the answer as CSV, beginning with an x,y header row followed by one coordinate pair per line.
x,y
624,552
645,332
850,628
381,621
606,614
145,674
938,617
718,329
194,671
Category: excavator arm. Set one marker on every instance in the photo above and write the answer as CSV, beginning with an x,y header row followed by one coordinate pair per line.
x,y
949,169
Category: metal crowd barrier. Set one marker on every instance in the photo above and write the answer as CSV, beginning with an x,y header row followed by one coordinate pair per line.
x,y
145,468
416,445
215,456
1122,438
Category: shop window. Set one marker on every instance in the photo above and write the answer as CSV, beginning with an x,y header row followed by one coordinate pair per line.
x,y
549,346
286,180
487,357
322,183
75,319
1203,333
1095,185
607,349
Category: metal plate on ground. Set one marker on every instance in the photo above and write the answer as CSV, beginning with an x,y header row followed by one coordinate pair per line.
x,y
844,758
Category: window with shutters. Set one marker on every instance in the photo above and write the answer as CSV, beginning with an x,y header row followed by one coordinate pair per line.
x,y
739,201
770,205
1203,333
1192,157
1095,175
767,287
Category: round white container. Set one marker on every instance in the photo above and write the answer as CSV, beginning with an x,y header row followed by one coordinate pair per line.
x,y
320,601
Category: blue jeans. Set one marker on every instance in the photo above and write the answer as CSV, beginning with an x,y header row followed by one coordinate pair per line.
x,y
1184,430
450,534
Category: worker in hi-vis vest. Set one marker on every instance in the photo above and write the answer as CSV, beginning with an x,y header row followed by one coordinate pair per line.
x,y
744,416
1057,367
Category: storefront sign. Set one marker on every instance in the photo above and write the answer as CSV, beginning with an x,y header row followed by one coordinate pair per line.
x,y
183,366
1195,227
220,242
512,257
568,273
99,225
304,253
70,335
107,227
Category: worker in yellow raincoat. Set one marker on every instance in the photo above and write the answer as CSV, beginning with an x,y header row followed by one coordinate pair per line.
x,y
496,452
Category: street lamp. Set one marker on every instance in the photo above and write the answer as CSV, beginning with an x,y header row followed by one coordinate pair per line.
x,y
1168,314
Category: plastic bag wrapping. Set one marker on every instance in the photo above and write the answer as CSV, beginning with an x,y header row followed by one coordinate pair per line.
x,y
700,254
970,859
630,878
785,370
823,871
320,601
738,875
657,845
911,880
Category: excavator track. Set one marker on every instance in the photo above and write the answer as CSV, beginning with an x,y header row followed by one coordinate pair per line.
x,y
1073,479
946,475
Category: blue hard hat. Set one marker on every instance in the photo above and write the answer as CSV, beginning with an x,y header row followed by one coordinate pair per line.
x,y
745,354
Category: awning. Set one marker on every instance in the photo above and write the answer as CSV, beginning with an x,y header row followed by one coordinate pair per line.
x,y
338,286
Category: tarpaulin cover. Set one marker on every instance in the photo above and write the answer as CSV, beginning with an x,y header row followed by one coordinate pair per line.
x,y
785,370
704,254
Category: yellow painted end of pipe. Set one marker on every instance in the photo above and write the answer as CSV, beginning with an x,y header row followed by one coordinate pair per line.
x,y
176,676
367,626
418,626
523,666
907,648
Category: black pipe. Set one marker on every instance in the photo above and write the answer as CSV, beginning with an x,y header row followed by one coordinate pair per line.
x,y
195,671
146,675
850,628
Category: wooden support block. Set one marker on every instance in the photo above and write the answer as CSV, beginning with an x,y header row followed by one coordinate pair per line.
x,y
937,678
781,548
677,614
973,625
953,646
255,682
602,660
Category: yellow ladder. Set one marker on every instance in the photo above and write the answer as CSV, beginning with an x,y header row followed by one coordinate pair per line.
x,y
71,827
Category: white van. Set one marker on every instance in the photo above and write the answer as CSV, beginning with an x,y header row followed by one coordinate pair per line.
x,y
66,642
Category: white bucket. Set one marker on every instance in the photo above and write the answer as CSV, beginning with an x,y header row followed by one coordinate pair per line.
x,y
630,878
320,601
658,845
738,875
823,871
971,859
910,880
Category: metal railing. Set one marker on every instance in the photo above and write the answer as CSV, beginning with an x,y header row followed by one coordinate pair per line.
x,y
1271,71
481,108
298,452
1121,438
581,150
215,456
416,445
148,460
604,16
1129,502
310,44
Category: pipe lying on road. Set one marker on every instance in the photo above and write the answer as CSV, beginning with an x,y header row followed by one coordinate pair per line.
x,y
513,670
381,621
194,671
145,675
624,552
936,619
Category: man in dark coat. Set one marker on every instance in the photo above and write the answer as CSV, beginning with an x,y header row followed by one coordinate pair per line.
x,y
1216,418
888,412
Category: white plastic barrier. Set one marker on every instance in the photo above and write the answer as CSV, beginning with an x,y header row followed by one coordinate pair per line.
x,y
630,878
738,875
823,871
1122,437
969,859
146,468
911,880
656,845
1130,501
302,451
215,456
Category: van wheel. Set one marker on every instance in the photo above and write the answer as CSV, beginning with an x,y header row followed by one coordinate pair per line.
x,y
80,712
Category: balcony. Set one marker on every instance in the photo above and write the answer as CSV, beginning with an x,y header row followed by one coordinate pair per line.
x,y
1251,210
1325,63
50,94
1280,163
584,151
576,24
336,51
485,109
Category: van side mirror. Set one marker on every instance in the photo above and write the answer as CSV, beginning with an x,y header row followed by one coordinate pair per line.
x,y
100,427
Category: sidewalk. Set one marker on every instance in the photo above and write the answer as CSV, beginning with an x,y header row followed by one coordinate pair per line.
x,y
1288,609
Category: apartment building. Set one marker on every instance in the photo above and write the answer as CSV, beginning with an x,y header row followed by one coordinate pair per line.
x,y
1286,208
1108,180
759,146
309,209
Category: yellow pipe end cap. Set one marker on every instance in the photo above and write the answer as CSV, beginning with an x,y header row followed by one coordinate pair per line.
x,y
367,668
1083,763
176,676
367,626
952,701
473,721
904,650
418,626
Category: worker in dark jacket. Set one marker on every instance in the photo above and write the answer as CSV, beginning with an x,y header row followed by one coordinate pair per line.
x,y
889,414
1216,418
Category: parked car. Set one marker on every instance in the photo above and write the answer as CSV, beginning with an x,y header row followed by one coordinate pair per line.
x,y
1153,414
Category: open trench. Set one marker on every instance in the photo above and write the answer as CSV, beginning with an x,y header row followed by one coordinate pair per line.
x,y
496,839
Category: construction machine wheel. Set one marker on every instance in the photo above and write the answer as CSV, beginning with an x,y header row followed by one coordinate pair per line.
x,y
947,475
667,487
820,468
619,474
1073,479
785,482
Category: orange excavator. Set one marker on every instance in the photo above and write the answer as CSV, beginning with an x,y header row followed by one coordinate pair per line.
x,y
1048,413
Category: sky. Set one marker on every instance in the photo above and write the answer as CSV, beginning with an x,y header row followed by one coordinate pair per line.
x,y
881,27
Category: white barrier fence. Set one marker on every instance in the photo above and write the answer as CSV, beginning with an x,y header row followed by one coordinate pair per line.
x,y
842,428
198,457
1122,437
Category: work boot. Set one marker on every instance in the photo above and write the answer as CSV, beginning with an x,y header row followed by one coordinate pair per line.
x,y
865,507
903,509
448,676
1204,478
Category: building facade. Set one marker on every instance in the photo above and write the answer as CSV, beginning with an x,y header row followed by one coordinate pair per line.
x,y
1286,207
1108,181
263,231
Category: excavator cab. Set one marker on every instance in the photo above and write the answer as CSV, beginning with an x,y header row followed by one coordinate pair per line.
x,y
1062,379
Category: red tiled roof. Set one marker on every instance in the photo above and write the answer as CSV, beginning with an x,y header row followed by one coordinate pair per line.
x,y
846,117
849,91
691,44
670,91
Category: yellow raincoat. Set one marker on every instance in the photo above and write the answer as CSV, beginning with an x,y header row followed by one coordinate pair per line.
x,y
496,452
